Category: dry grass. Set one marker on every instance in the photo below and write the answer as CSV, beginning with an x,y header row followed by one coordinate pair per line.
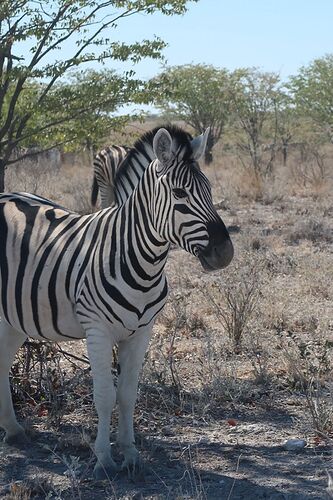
x,y
257,334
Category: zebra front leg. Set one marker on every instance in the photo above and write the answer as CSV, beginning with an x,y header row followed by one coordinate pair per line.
x,y
131,355
99,347
10,342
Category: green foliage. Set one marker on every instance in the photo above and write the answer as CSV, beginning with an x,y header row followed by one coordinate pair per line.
x,y
199,95
78,112
61,35
313,92
256,97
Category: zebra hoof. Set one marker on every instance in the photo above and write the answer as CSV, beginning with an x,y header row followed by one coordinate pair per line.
x,y
19,440
105,472
135,468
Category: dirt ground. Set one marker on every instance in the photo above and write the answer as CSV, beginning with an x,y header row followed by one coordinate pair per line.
x,y
186,456
189,459
212,417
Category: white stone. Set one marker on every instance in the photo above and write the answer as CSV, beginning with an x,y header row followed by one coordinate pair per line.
x,y
294,444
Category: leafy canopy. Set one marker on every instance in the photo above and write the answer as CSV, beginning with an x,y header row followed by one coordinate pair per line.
x,y
200,95
78,111
61,35
313,92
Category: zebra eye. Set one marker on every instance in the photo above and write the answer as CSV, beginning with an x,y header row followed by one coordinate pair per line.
x,y
179,193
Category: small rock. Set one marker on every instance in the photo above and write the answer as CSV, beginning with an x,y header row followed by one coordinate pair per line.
x,y
234,228
294,444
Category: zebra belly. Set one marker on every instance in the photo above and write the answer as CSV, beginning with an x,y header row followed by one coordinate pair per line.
x,y
36,312
68,328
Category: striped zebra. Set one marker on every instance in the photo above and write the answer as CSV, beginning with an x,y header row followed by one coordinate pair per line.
x,y
105,165
65,276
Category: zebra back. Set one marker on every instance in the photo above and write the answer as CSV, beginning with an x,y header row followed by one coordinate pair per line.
x,y
105,164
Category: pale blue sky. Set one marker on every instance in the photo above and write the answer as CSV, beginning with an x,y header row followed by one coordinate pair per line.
x,y
275,35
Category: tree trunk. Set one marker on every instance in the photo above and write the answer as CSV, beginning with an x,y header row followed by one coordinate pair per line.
x,y
285,153
209,147
2,176
208,156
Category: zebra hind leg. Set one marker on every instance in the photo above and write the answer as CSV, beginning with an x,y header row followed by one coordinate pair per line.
x,y
131,355
99,347
10,341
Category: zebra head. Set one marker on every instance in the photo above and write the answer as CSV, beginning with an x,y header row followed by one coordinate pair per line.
x,y
183,210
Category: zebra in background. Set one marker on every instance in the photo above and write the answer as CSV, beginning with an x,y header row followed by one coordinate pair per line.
x,y
65,276
105,165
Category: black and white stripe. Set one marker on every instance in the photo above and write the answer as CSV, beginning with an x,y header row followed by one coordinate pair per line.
x,y
101,276
106,163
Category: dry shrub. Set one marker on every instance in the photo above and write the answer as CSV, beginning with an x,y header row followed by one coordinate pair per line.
x,y
311,170
312,229
78,198
226,357
220,379
319,401
235,296
249,185
30,179
306,348
31,488
307,356
69,186
180,316
40,382
165,359
253,186
226,377
308,174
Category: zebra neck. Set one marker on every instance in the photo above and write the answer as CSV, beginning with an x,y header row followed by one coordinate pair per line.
x,y
131,248
142,236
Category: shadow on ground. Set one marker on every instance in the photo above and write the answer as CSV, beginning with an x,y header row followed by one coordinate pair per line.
x,y
192,462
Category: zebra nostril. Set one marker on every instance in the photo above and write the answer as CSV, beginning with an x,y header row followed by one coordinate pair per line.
x,y
224,252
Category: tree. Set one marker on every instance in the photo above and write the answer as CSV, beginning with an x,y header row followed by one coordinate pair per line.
x,y
286,123
82,109
50,28
200,96
256,96
313,92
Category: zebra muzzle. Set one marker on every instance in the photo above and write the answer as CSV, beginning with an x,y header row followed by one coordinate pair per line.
x,y
217,255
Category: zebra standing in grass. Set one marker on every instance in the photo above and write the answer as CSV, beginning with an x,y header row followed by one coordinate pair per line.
x,y
101,276
105,165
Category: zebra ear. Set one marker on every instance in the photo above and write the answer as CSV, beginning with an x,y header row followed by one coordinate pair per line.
x,y
199,144
162,146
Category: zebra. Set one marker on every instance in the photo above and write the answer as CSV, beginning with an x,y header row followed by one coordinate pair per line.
x,y
105,165
65,276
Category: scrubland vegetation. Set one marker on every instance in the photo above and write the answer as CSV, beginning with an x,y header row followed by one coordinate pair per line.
x,y
240,361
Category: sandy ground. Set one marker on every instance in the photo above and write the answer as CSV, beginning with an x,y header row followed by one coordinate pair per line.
x,y
220,434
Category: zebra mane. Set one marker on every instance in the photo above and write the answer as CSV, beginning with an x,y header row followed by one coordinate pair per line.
x,y
141,155
178,134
